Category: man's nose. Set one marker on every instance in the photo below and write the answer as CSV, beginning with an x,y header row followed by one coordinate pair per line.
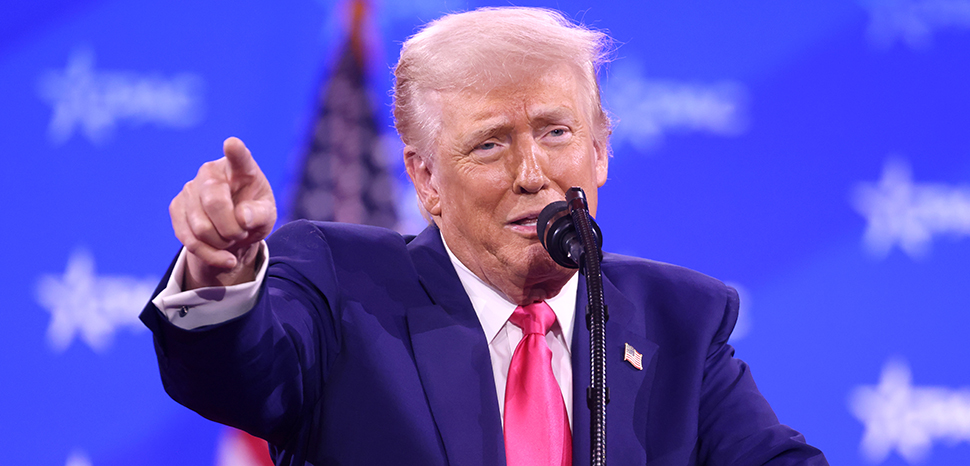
x,y
530,176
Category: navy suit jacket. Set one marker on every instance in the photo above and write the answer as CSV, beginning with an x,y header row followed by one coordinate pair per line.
x,y
364,349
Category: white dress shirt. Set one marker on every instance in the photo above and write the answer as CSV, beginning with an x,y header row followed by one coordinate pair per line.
x,y
207,306
212,305
503,336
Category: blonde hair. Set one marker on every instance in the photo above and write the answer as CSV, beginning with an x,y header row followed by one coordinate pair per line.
x,y
487,47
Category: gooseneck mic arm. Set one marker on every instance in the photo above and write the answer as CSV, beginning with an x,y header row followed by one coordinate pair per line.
x,y
574,240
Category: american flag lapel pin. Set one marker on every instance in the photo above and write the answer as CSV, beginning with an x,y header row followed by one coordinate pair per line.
x,y
631,355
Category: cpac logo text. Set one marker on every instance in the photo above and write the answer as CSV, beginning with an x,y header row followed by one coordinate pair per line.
x,y
93,102
914,21
647,109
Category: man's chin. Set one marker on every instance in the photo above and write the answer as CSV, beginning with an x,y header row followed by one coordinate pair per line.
x,y
541,265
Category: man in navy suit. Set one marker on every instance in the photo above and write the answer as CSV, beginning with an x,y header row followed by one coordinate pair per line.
x,y
343,344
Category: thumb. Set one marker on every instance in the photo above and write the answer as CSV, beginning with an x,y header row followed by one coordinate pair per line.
x,y
256,216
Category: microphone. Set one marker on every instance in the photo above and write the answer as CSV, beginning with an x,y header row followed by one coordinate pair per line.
x,y
567,231
558,234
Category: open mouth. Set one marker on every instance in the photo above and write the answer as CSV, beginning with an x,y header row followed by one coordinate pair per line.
x,y
527,221
526,224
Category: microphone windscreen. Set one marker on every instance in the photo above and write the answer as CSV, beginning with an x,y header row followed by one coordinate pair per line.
x,y
548,215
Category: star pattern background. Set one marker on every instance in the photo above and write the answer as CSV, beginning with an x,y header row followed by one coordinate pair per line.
x,y
813,154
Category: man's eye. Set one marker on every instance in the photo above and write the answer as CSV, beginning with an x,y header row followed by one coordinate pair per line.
x,y
487,146
557,132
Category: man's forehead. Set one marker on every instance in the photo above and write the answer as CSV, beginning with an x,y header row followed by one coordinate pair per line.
x,y
536,99
553,95
504,111
511,82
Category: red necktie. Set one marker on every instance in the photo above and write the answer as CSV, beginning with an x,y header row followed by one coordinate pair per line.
x,y
536,425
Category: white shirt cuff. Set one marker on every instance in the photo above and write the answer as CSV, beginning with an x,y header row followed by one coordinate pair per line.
x,y
210,305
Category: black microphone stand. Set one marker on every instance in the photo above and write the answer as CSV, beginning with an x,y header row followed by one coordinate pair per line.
x,y
597,394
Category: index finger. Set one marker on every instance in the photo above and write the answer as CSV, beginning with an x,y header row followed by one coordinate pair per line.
x,y
240,159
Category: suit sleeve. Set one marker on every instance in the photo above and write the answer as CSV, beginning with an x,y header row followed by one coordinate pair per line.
x,y
737,426
263,370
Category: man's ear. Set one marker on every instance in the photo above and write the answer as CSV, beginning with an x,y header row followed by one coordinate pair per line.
x,y
602,161
419,169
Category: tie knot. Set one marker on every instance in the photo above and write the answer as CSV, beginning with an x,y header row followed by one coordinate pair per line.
x,y
534,318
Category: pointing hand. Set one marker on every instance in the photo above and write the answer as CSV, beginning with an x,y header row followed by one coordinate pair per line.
x,y
221,216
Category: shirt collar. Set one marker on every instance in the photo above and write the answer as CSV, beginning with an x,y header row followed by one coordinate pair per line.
x,y
494,310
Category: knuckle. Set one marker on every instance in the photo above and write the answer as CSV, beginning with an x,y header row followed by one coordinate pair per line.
x,y
192,244
209,169
198,225
211,200
178,202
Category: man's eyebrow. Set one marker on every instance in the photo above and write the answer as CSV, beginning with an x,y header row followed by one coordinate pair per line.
x,y
486,129
554,115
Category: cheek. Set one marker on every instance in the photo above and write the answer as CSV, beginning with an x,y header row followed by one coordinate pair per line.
x,y
578,167
484,184
472,197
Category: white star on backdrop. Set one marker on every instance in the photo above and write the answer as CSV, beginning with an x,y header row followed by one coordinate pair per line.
x,y
901,212
90,307
908,419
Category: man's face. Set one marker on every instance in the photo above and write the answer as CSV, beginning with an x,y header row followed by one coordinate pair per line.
x,y
502,155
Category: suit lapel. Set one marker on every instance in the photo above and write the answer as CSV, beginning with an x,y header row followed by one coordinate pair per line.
x,y
626,413
453,360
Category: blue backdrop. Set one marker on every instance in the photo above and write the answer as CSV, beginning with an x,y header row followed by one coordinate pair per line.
x,y
816,155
